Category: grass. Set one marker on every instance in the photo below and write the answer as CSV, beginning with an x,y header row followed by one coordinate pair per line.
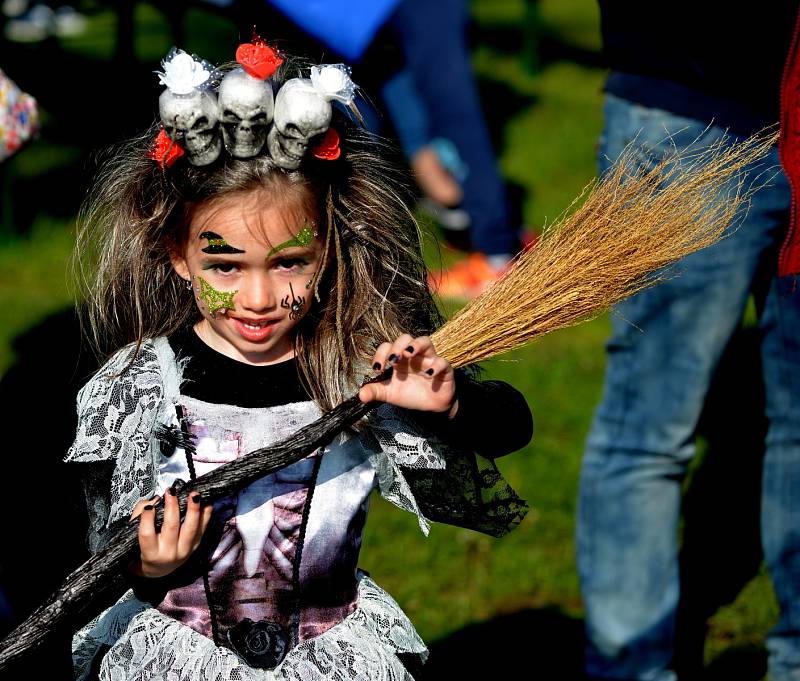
x,y
546,145
33,280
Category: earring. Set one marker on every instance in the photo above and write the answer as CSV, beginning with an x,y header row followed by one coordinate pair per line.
x,y
188,284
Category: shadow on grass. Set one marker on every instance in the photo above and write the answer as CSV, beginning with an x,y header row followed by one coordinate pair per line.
x,y
721,539
44,538
739,663
542,644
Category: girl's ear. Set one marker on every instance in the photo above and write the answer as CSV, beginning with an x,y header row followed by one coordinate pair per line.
x,y
179,265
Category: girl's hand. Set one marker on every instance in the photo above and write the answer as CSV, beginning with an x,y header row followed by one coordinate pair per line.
x,y
164,551
420,378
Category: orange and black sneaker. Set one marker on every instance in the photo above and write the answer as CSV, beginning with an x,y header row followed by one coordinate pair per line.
x,y
467,279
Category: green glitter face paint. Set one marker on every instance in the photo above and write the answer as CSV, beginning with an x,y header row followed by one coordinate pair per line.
x,y
304,237
215,300
217,244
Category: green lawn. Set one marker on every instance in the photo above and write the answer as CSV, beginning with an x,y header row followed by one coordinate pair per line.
x,y
548,114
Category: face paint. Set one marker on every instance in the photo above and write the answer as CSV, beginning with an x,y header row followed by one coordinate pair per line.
x,y
296,306
217,244
215,300
304,237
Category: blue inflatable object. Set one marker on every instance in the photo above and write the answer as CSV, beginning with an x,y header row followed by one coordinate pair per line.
x,y
346,26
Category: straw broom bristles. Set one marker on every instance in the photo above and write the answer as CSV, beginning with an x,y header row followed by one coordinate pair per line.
x,y
633,224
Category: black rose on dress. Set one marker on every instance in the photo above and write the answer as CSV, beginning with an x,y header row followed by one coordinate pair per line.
x,y
262,644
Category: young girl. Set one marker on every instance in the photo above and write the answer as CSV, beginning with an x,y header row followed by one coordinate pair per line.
x,y
254,265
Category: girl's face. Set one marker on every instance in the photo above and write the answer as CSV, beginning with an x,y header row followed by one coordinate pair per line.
x,y
252,263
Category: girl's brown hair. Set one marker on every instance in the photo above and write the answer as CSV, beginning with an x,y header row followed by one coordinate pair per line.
x,y
374,281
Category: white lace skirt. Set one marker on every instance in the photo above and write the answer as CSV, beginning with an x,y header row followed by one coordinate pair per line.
x,y
144,644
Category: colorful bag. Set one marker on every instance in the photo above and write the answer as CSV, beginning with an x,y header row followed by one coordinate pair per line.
x,y
19,117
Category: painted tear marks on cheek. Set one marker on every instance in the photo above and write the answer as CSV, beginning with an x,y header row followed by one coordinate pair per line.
x,y
215,300
217,244
295,307
303,238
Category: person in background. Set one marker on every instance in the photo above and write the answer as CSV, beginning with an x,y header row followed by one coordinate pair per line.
x,y
432,101
432,36
705,75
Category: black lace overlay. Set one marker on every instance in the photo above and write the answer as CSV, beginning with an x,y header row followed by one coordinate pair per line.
x,y
470,492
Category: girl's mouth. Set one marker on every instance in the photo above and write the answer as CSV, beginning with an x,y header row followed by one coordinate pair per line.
x,y
254,331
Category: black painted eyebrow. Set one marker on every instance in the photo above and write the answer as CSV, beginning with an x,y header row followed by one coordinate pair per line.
x,y
217,244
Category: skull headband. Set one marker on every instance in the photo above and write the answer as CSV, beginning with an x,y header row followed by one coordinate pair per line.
x,y
241,115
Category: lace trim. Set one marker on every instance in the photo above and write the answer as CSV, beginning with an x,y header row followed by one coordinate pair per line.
x,y
117,411
426,476
144,644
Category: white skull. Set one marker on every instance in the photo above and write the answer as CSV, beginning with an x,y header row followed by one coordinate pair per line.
x,y
192,119
245,110
301,113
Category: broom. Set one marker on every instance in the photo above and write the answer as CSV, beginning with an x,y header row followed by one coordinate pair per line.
x,y
632,225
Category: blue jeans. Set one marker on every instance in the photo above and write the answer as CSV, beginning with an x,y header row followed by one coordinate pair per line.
x,y
665,345
433,37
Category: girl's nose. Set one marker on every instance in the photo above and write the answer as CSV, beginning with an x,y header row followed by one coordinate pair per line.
x,y
257,294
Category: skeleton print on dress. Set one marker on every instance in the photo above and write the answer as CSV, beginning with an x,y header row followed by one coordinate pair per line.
x,y
263,546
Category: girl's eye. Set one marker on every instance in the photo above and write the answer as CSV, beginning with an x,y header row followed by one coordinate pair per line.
x,y
292,263
224,267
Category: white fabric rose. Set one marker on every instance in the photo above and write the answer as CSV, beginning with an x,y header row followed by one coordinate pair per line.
x,y
183,73
332,81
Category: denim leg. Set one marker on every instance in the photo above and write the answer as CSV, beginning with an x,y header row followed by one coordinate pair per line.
x,y
780,517
433,36
665,345
407,111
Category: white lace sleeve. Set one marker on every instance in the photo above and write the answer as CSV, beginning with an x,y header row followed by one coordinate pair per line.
x,y
117,411
426,475
395,440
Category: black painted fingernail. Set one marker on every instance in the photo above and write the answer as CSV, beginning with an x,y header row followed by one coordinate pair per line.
x,y
392,359
149,507
172,491
429,372
377,366
196,498
410,349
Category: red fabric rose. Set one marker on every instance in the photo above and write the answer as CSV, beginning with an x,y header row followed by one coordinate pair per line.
x,y
328,149
165,150
258,59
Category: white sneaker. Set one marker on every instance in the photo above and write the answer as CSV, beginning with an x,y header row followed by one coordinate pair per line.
x,y
451,218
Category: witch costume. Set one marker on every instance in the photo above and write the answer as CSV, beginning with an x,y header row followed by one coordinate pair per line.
x,y
273,592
